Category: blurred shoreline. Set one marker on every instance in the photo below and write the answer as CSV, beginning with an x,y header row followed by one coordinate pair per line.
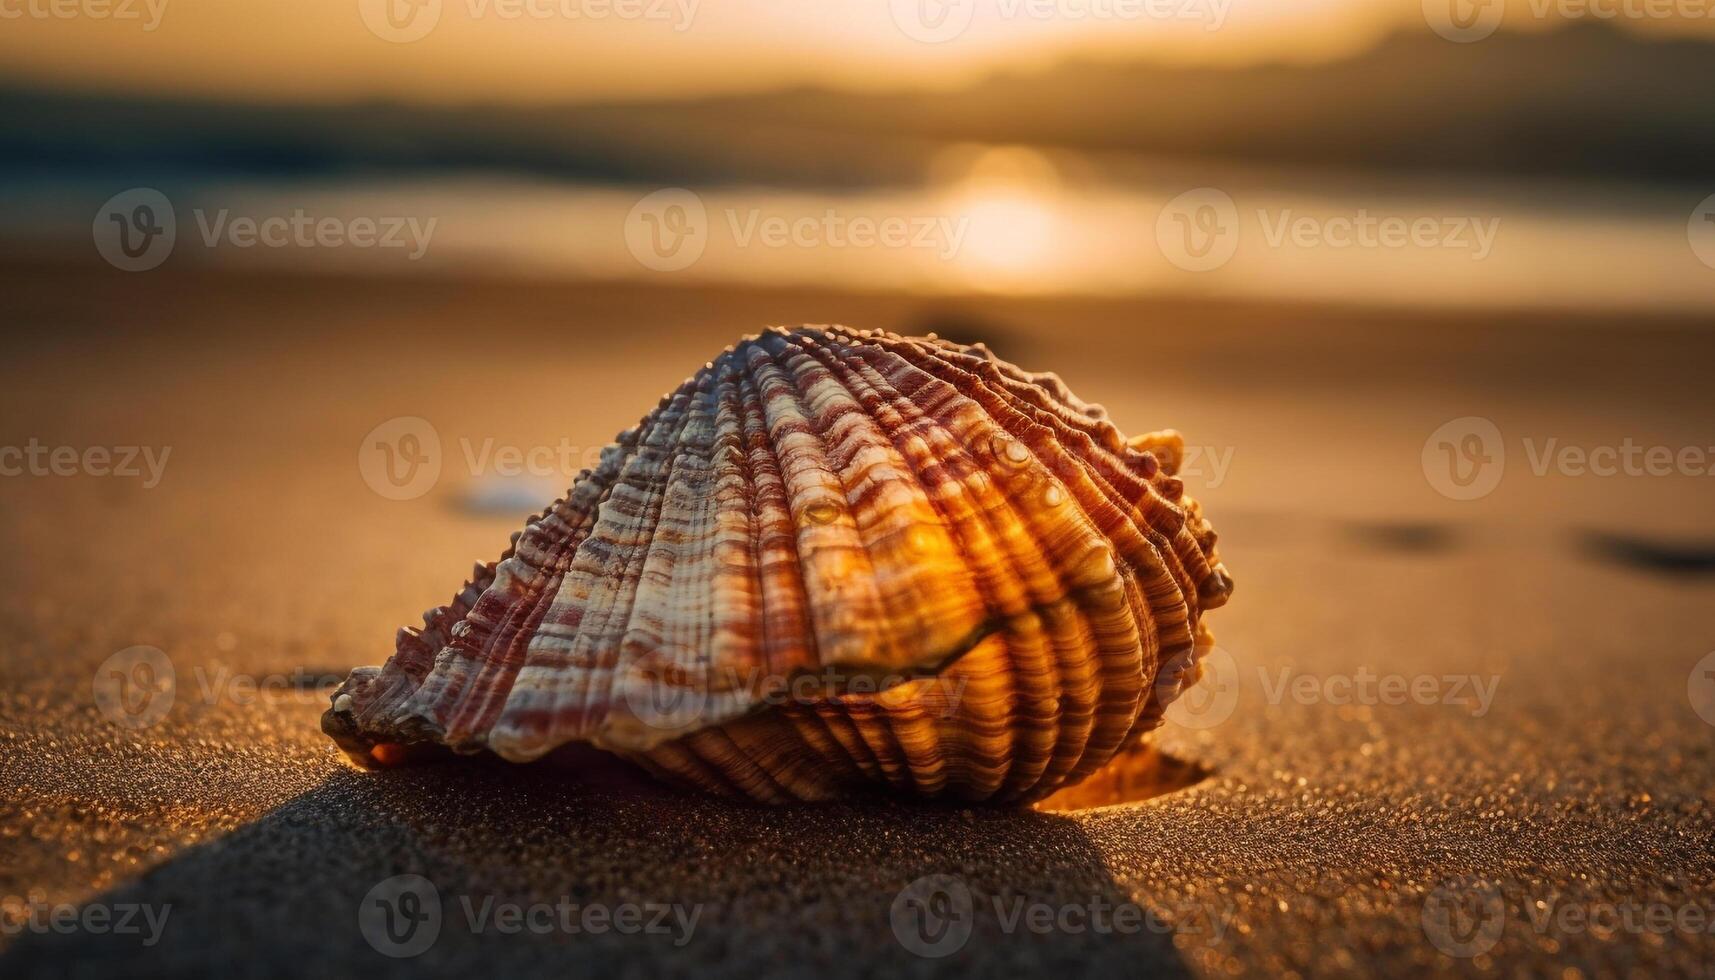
x,y
1001,220
49,289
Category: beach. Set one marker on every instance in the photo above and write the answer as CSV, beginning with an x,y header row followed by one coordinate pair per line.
x,y
1427,703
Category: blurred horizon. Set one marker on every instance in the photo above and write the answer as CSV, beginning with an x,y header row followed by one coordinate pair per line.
x,y
570,52
1516,104
1329,152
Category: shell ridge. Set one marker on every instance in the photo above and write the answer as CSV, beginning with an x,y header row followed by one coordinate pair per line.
x,y
661,642
815,733
642,544
808,389
483,698
1022,426
459,658
924,529
1027,705
1042,707
735,643
966,516
1152,557
840,424
537,709
1196,571
1039,688
783,613
842,599
370,700
541,550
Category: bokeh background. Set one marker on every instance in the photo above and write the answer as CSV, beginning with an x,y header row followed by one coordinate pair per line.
x,y
1046,138
1429,288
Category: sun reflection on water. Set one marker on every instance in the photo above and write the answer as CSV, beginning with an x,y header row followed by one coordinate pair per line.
x,y
1006,201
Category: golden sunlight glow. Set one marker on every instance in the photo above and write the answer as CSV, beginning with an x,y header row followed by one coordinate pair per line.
x,y
554,51
1006,200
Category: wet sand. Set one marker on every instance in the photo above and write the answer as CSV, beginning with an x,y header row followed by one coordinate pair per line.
x,y
1311,840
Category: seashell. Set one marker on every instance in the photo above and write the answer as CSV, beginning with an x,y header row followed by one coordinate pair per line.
x,y
830,561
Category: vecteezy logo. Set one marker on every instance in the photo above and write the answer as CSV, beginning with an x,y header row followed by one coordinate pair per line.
x,y
1463,21
1464,458
664,695
1213,698
400,21
1198,230
134,231
932,21
136,687
933,916
1700,231
400,459
1464,917
667,230
401,917
1700,688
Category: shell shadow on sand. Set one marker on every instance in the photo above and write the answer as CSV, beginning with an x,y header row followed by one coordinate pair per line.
x,y
742,890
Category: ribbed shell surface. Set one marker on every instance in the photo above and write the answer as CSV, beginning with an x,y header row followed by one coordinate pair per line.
x,y
829,560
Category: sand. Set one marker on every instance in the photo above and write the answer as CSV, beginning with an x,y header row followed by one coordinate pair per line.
x,y
1312,828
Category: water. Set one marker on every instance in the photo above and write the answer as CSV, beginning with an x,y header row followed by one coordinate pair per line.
x,y
1007,221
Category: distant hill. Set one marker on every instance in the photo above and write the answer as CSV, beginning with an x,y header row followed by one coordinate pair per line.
x,y
1584,101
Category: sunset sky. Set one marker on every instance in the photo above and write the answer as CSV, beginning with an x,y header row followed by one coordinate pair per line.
x,y
581,50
